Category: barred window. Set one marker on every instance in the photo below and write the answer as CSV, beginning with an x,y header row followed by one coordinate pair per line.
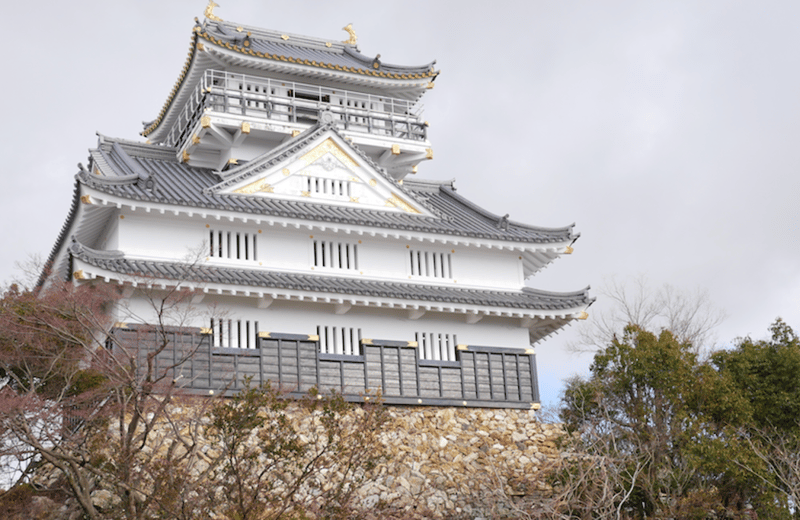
x,y
339,340
233,333
322,186
436,346
335,255
428,264
233,245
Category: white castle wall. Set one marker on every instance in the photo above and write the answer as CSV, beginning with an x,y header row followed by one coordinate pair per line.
x,y
154,236
304,317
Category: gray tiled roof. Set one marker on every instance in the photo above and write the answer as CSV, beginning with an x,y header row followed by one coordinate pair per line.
x,y
527,298
304,48
176,183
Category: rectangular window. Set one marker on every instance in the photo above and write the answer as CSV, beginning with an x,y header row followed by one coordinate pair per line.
x,y
428,264
327,187
339,340
233,245
436,346
233,333
335,255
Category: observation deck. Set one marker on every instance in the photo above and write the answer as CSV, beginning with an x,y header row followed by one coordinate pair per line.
x,y
233,117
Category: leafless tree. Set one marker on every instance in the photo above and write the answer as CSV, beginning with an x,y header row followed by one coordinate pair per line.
x,y
689,315
93,407
779,450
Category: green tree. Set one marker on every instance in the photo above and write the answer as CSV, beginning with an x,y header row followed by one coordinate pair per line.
x,y
766,373
656,414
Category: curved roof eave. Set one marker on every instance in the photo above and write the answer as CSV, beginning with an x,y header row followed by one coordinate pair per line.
x,y
450,191
47,270
526,299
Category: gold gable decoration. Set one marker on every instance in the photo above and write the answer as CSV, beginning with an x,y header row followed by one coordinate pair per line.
x,y
259,186
329,146
396,202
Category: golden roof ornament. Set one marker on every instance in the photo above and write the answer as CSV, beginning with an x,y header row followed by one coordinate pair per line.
x,y
209,13
353,38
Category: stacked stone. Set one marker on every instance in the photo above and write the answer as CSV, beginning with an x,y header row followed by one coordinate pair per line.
x,y
462,460
441,463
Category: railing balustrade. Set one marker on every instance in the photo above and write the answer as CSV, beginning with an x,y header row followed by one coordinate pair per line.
x,y
267,99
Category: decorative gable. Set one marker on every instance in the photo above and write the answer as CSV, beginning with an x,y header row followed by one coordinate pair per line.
x,y
327,170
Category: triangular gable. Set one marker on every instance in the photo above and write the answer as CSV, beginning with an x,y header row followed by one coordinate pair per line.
x,y
326,170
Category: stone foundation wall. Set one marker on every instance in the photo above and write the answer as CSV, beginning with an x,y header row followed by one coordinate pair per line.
x,y
448,463
462,462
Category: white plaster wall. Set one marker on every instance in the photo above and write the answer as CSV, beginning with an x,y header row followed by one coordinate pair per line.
x,y
177,239
111,241
161,237
303,318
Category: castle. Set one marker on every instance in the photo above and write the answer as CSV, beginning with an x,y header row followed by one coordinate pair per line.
x,y
278,188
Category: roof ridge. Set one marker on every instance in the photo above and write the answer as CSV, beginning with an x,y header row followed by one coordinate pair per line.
x,y
79,249
278,35
137,148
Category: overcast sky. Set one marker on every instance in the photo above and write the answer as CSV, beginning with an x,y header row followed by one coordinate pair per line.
x,y
668,131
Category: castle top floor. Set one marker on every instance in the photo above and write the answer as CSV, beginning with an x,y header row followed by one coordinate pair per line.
x,y
245,90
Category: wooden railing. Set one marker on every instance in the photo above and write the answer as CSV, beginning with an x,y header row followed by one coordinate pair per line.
x,y
480,376
265,99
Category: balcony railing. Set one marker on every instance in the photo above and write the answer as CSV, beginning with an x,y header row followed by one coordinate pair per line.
x,y
271,100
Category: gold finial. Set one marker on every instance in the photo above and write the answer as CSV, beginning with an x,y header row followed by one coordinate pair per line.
x,y
583,315
568,250
209,13
353,38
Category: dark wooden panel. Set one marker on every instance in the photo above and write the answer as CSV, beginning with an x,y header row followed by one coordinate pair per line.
x,y
482,376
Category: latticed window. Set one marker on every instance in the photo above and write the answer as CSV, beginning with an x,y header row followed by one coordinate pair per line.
x,y
339,340
233,245
436,346
233,333
429,264
335,255
323,186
